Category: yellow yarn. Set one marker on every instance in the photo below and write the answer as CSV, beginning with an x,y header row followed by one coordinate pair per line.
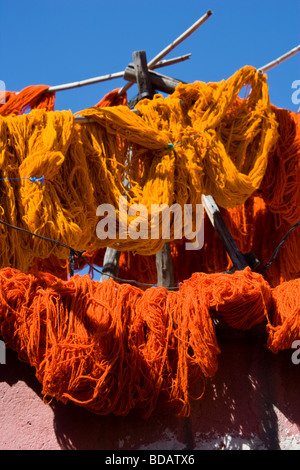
x,y
228,157
221,147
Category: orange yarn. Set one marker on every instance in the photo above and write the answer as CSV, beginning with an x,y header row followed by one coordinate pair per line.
x,y
252,226
258,225
284,322
113,99
241,299
280,186
111,347
32,97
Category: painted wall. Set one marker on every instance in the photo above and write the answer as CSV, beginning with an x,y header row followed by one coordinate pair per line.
x,y
251,403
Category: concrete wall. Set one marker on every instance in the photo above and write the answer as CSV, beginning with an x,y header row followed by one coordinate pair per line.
x,y
251,403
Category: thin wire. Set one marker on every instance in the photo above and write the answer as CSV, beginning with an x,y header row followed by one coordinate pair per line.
x,y
39,236
276,251
80,256
34,179
133,281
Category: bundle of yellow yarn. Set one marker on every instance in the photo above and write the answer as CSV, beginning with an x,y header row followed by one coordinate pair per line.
x,y
202,139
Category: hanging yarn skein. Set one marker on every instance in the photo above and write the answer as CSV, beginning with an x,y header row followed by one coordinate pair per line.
x,y
32,97
59,267
222,148
111,348
258,225
228,153
280,186
284,317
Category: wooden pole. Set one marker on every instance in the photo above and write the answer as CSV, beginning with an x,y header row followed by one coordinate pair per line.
x,y
164,263
164,267
175,60
157,81
280,59
110,264
221,228
112,256
179,40
142,76
112,76
171,46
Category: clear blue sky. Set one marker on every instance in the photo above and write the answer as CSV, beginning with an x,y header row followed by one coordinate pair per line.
x,y
58,41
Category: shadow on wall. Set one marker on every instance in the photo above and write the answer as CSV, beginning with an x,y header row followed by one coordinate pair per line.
x,y
238,402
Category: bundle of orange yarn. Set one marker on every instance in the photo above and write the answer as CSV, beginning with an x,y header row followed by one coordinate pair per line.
x,y
284,318
31,97
111,347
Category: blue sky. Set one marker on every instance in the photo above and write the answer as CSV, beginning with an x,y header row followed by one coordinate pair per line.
x,y
58,41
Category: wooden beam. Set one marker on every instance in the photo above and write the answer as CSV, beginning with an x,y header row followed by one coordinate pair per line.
x,y
164,262
110,264
142,77
157,81
221,228
172,46
112,76
164,267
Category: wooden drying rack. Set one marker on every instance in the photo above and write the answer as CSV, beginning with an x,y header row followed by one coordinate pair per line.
x,y
148,81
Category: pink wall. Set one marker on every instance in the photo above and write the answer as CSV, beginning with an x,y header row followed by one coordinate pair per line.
x,y
251,403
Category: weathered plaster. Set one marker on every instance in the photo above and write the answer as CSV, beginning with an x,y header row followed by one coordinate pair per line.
x,y
250,404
